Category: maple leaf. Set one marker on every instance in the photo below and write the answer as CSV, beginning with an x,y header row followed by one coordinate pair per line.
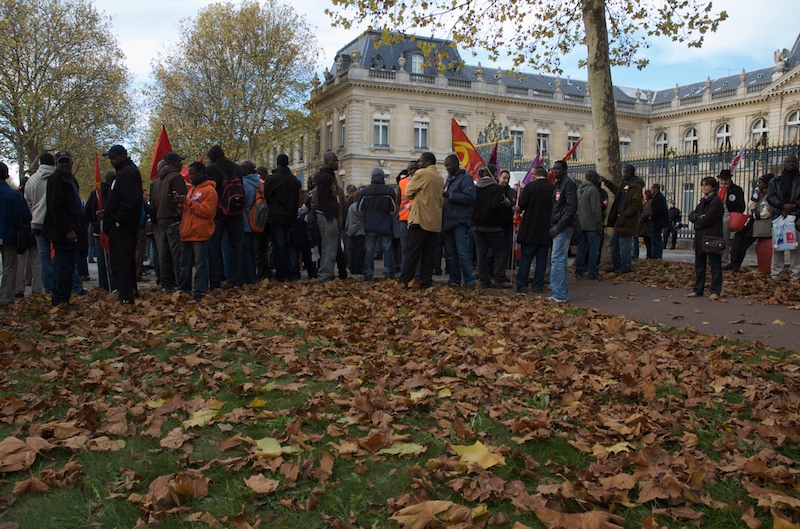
x,y
478,454
15,455
175,439
437,514
31,485
194,486
200,418
262,485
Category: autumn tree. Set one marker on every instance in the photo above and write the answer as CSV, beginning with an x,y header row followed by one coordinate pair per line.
x,y
238,72
538,33
63,84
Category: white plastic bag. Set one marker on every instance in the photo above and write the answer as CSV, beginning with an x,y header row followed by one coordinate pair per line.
x,y
784,235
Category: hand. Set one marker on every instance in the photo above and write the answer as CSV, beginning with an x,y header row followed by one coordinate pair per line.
x,y
515,209
788,209
446,194
72,237
554,231
100,213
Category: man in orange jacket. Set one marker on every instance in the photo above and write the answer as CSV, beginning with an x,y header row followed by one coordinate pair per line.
x,y
197,227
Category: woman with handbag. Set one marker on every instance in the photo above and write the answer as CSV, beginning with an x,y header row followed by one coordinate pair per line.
x,y
708,241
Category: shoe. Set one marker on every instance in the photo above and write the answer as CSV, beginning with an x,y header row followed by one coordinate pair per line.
x,y
692,295
521,291
19,295
555,299
92,261
713,297
611,270
729,266
502,284
126,302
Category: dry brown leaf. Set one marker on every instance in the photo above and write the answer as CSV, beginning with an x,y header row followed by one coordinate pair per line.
x,y
261,484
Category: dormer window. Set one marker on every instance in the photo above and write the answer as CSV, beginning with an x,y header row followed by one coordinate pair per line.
x,y
417,63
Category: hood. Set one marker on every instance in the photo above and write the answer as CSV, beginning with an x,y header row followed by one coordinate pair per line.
x,y
485,181
252,179
166,171
44,171
215,153
586,184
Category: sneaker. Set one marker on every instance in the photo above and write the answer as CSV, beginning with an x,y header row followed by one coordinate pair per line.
x,y
502,284
611,270
692,295
713,297
555,299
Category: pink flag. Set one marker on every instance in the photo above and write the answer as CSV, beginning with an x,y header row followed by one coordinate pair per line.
x,y
529,175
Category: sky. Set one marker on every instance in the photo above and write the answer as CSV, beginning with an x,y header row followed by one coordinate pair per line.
x,y
747,39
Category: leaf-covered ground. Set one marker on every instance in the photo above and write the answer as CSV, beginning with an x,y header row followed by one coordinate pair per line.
x,y
362,405
747,282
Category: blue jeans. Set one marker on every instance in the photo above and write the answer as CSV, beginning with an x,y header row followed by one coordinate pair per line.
x,y
558,263
194,253
388,255
281,237
45,263
657,244
63,271
328,246
588,248
233,225
529,252
458,256
621,252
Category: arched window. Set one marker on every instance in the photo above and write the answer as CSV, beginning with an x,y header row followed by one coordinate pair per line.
x,y
690,141
793,126
759,132
723,137
661,144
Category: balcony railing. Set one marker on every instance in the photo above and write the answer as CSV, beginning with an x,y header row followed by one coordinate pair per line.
x,y
422,78
382,74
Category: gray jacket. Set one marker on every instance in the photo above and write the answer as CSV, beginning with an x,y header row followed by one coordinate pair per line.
x,y
590,207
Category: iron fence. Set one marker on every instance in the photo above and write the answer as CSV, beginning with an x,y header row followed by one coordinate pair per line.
x,y
679,174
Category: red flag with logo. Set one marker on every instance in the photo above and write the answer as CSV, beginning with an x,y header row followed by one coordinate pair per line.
x,y
162,148
470,160
738,157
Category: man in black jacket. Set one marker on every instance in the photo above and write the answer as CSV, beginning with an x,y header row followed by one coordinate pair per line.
x,y
378,201
536,205
492,208
325,203
122,218
658,220
282,191
732,197
221,169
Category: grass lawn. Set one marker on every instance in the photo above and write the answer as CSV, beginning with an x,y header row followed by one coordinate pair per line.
x,y
360,405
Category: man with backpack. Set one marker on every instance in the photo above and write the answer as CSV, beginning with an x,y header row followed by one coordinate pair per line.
x,y
227,177
167,193
254,199
282,193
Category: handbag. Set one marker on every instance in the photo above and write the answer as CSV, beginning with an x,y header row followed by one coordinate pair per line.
x,y
784,235
713,245
23,231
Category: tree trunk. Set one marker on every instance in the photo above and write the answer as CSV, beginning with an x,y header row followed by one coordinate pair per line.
x,y
604,117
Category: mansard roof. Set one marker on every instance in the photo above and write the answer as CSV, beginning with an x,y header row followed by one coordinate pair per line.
x,y
387,57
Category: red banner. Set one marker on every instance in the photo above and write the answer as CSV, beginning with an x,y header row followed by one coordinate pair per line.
x,y
162,148
470,160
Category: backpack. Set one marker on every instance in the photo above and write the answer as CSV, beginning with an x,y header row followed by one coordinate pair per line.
x,y
257,216
231,200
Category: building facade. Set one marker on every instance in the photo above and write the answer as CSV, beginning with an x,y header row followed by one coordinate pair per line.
x,y
383,106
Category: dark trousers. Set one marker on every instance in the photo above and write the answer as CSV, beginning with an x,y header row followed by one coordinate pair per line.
x,y
356,248
281,238
715,261
263,269
233,225
670,232
170,255
420,245
494,240
741,242
122,241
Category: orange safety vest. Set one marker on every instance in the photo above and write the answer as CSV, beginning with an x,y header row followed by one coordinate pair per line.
x,y
405,203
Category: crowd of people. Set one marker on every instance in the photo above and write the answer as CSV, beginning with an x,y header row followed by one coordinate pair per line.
x,y
236,223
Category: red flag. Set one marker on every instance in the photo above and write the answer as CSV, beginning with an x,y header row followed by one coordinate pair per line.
x,y
493,156
738,157
470,160
162,148
97,188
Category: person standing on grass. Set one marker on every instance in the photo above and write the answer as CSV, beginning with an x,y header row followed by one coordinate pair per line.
x,y
167,215
282,193
492,208
379,198
13,210
197,227
325,203
459,201
36,196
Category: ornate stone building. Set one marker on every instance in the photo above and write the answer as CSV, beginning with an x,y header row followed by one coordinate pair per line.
x,y
384,106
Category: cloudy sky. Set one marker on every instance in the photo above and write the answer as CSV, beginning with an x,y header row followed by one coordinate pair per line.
x,y
746,40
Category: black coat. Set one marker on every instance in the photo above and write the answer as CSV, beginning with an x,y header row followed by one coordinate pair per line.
x,y
734,199
124,205
60,217
707,219
491,204
282,191
536,202
219,169
658,212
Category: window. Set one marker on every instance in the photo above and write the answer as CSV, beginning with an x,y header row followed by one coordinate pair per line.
x,y
688,197
723,137
380,131
624,147
690,141
516,143
793,126
572,140
342,131
301,148
759,133
543,142
420,135
329,136
661,144
317,142
417,63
